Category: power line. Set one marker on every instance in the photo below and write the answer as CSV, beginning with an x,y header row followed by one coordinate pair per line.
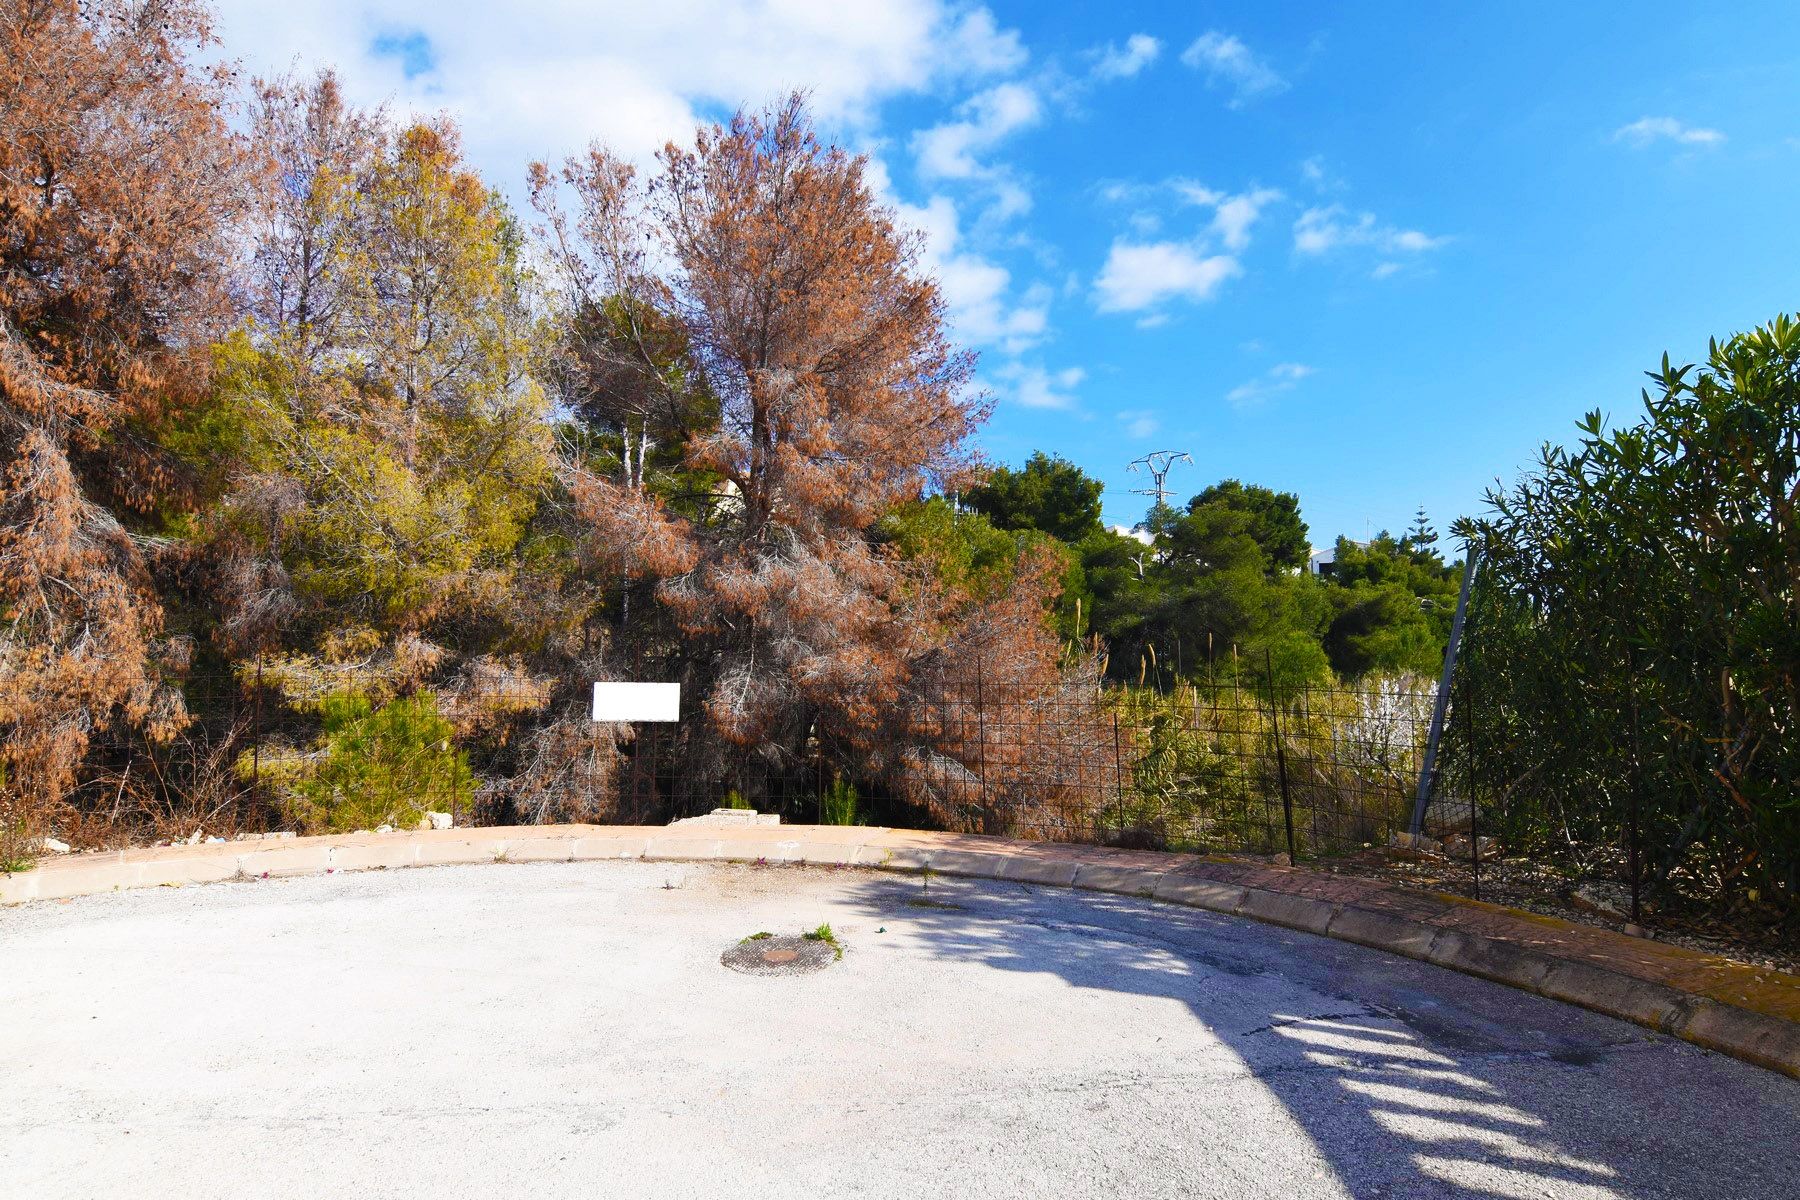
x,y
1158,463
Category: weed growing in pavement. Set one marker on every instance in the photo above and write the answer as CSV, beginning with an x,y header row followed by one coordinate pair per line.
x,y
756,937
823,934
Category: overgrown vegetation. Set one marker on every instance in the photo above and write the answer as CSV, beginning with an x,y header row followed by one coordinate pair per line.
x,y
1637,635
328,484
375,766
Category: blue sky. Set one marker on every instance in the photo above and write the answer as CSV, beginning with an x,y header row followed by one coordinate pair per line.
x,y
1373,256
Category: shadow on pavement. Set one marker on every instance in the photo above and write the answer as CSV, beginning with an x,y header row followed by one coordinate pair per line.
x,y
1411,1081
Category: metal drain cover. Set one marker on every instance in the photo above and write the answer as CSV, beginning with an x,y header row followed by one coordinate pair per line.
x,y
779,956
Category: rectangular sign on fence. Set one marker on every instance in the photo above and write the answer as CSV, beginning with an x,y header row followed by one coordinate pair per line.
x,y
637,702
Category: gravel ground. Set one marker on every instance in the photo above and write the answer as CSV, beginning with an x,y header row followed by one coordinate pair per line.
x,y
569,1030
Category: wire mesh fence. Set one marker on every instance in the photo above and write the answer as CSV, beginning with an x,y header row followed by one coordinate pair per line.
x,y
1311,771
1325,773
1317,773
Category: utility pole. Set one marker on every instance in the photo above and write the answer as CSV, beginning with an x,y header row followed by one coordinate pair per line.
x,y
1158,463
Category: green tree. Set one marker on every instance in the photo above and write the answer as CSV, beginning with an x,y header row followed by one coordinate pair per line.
x,y
1273,520
1639,629
381,766
1049,494
1388,607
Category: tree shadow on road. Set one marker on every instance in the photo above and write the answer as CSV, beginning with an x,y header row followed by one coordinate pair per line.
x,y
1409,1079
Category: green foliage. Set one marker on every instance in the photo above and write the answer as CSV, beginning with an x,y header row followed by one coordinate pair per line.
x,y
1637,630
735,799
1273,523
1049,494
16,837
1204,774
965,552
381,766
839,804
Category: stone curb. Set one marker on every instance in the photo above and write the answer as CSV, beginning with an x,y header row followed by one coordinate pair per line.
x,y
1755,1037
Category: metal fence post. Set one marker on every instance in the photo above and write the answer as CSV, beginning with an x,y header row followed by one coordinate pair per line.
x,y
981,742
1287,801
1474,795
1637,786
1428,769
1118,774
256,731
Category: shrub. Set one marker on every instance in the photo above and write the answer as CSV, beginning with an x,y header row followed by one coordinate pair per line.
x,y
381,766
839,804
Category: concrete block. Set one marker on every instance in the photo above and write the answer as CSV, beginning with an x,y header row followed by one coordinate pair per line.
x,y
1383,931
676,848
294,858
608,846
1490,959
837,854
1029,868
377,855
1766,1041
201,868
1126,881
540,849
19,887
456,852
1616,995
1200,893
1285,909
976,864
895,858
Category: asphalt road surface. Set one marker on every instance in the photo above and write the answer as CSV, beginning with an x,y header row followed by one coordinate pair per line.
x,y
555,1030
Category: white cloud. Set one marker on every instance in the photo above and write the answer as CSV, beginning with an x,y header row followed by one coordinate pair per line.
x,y
1232,215
1228,63
979,46
1646,130
977,291
1139,422
1321,230
541,78
1122,62
1320,176
949,151
1282,377
1383,270
1141,275
1034,387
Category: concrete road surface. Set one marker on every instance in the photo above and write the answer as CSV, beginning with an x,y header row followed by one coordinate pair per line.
x,y
567,1030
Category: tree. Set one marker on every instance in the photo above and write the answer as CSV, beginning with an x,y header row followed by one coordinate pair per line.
x,y
1636,620
381,423
374,447
778,288
1049,494
119,183
1389,607
1274,520
1421,536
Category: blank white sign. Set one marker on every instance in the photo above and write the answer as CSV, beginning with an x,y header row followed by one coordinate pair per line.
x,y
637,702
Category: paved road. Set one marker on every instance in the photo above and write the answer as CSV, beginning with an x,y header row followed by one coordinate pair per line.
x,y
567,1030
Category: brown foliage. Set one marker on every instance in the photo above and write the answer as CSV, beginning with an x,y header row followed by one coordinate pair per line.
x,y
756,271
118,178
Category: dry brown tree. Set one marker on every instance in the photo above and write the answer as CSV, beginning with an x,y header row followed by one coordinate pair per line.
x,y
119,180
751,306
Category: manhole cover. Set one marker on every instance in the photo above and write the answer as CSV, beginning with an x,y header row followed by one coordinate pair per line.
x,y
779,956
